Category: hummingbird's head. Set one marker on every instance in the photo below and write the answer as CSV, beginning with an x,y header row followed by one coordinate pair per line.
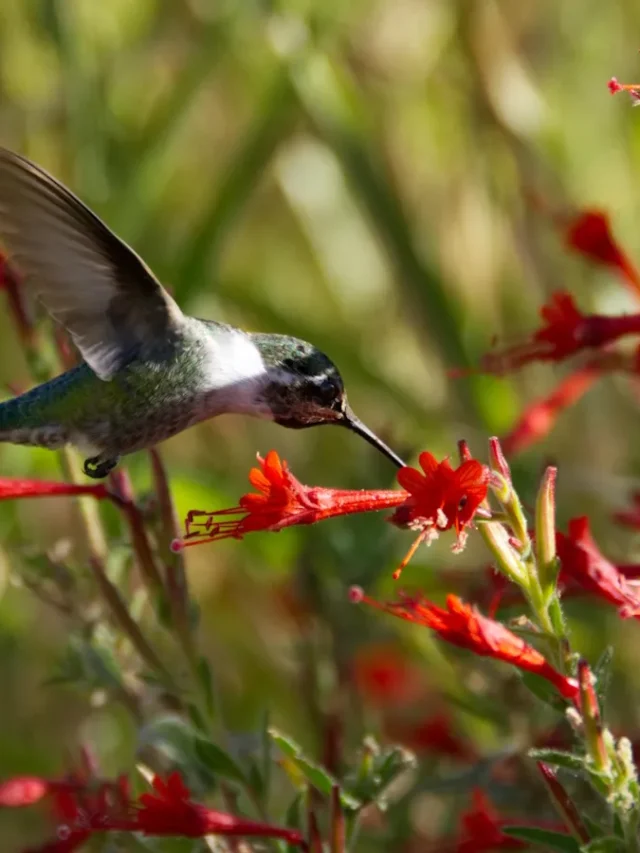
x,y
304,388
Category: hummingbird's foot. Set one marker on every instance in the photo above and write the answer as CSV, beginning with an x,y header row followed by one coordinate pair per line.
x,y
98,467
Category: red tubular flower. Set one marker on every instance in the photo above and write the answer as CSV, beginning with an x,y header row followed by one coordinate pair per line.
x,y
481,829
79,803
84,807
169,810
11,489
565,331
282,501
590,234
539,418
583,563
462,625
440,497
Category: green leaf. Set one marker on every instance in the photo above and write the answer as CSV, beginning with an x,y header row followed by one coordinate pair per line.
x,y
206,683
544,838
317,776
219,762
544,691
559,758
377,769
294,819
610,844
172,736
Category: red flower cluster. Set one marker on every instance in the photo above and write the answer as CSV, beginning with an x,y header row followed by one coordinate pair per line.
x,y
565,331
84,809
462,625
482,830
435,499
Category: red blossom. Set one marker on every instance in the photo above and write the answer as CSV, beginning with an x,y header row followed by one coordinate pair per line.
x,y
540,417
565,331
80,805
583,563
462,625
282,501
23,791
481,829
440,498
85,806
590,235
384,676
12,488
169,810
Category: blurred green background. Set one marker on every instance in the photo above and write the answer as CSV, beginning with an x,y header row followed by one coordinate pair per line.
x,y
357,174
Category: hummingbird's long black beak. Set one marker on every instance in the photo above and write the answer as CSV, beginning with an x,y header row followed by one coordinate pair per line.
x,y
355,425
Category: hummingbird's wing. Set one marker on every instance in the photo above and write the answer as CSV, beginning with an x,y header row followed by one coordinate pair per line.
x,y
88,279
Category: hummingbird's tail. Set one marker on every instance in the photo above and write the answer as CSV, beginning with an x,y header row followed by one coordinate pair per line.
x,y
23,421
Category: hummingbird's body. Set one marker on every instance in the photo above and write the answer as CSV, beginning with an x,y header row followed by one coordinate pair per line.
x,y
146,401
149,370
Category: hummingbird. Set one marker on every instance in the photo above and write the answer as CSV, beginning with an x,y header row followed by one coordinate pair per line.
x,y
148,371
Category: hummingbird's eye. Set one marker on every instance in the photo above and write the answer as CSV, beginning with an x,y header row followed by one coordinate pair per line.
x,y
328,392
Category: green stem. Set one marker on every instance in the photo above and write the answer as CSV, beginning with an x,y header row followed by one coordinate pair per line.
x,y
87,508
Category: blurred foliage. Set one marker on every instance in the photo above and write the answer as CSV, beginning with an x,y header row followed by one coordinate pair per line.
x,y
359,175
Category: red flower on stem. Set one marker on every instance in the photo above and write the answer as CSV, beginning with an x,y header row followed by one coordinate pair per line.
x,y
281,501
440,497
481,829
13,488
80,805
540,417
583,563
565,331
590,235
169,810
84,807
436,499
462,625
